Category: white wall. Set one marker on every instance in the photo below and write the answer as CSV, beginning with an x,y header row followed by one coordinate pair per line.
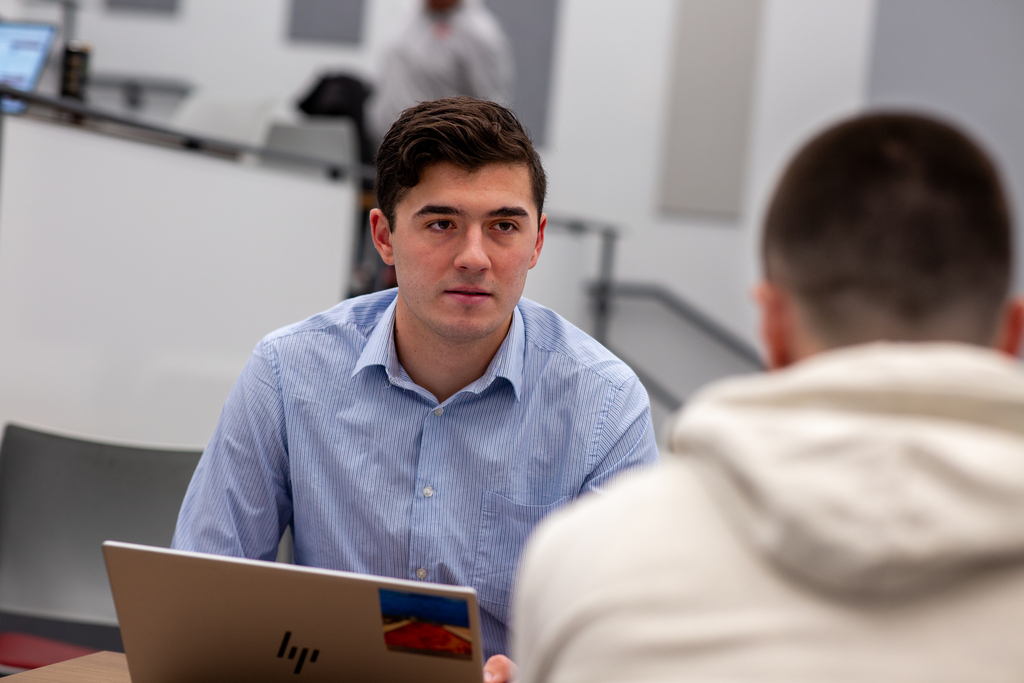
x,y
228,46
607,112
135,280
608,127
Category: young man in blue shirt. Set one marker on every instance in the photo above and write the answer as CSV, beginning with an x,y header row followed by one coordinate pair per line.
x,y
423,432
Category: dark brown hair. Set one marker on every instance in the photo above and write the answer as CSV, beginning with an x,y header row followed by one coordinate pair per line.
x,y
892,226
463,131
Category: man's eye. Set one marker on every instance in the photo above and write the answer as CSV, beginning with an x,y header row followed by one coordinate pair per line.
x,y
507,226
441,225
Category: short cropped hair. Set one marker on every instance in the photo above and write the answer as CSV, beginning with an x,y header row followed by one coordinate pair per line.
x,y
463,131
892,226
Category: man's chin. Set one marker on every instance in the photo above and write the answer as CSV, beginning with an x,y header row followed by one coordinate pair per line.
x,y
468,330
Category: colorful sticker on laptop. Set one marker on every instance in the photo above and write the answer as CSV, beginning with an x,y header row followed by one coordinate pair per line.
x,y
426,624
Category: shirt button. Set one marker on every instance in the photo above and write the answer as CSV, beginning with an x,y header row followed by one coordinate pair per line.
x,y
428,491
439,411
421,573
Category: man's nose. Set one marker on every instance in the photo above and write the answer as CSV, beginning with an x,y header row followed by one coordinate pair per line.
x,y
472,255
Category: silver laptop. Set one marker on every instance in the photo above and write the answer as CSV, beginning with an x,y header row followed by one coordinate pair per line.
x,y
193,617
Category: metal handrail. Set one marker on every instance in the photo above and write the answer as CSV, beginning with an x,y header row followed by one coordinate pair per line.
x,y
79,113
691,314
601,289
685,311
604,289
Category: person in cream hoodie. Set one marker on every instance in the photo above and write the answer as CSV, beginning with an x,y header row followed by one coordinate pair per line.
x,y
857,514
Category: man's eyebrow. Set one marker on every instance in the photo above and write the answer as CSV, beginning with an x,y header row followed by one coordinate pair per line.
x,y
438,210
510,211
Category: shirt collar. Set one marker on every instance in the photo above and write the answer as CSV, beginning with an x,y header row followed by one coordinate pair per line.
x,y
380,347
508,362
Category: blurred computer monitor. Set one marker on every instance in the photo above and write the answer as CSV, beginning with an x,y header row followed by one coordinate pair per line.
x,y
24,47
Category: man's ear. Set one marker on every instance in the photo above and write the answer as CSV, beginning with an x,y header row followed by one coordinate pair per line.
x,y
1011,328
541,224
381,233
777,321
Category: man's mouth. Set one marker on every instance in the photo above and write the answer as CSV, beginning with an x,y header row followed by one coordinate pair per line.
x,y
468,294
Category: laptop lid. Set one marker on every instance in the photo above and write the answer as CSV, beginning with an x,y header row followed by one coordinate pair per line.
x,y
192,617
24,47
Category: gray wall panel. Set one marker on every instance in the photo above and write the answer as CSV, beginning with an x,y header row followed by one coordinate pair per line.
x,y
164,6
333,21
530,26
711,95
964,60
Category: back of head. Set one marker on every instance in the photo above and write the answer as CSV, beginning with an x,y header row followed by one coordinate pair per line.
x,y
891,226
462,131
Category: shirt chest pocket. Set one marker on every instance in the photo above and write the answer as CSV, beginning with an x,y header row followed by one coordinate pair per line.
x,y
504,529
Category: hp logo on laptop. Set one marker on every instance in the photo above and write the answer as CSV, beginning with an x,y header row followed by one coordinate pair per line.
x,y
295,651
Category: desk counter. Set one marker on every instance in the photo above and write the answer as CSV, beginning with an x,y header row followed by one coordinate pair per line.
x,y
101,667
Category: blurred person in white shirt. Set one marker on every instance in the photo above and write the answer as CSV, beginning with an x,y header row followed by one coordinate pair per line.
x,y
448,48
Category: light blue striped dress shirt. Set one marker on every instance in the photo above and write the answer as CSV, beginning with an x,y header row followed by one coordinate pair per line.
x,y
324,431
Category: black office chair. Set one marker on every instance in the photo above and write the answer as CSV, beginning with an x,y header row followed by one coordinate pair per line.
x,y
60,498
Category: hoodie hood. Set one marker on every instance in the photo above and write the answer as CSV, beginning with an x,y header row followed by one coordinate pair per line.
x,y
877,470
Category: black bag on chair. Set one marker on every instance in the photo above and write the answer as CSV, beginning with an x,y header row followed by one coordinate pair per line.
x,y
341,95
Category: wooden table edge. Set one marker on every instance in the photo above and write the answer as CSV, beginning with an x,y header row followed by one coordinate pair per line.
x,y
99,667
